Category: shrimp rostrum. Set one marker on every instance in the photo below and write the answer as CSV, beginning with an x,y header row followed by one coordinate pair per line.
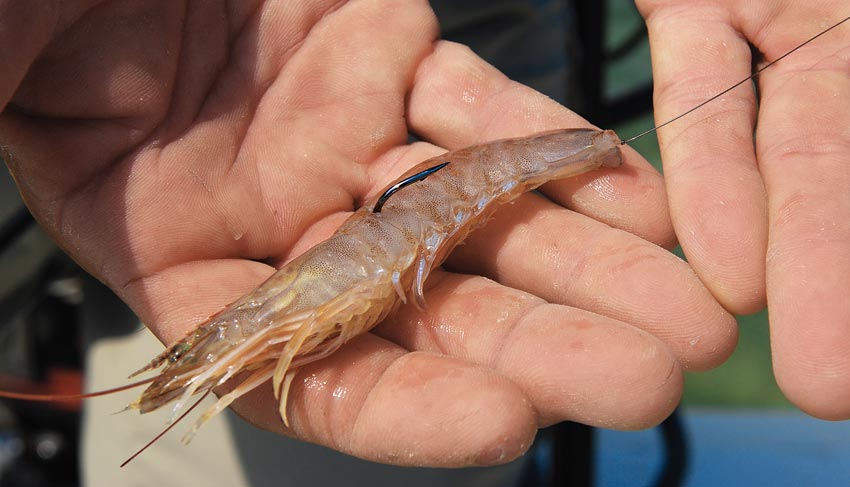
x,y
380,257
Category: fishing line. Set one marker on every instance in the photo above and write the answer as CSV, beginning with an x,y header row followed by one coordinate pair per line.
x,y
739,83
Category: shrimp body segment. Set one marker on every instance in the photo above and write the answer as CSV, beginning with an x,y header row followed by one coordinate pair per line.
x,y
375,261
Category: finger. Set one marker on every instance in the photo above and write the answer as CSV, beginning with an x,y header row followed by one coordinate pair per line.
x,y
716,196
605,194
804,154
567,258
374,400
458,100
572,364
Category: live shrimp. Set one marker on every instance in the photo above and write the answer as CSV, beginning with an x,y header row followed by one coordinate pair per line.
x,y
380,257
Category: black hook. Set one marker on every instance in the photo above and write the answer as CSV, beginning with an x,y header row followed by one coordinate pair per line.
x,y
404,182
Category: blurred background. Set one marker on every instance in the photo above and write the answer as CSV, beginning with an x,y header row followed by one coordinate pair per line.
x,y
736,428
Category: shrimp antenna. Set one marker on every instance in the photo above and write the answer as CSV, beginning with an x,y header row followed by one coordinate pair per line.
x,y
166,430
405,182
739,83
25,396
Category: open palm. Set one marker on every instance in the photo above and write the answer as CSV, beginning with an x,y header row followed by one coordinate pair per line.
x,y
180,152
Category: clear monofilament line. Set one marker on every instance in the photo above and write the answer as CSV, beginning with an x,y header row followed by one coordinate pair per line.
x,y
739,83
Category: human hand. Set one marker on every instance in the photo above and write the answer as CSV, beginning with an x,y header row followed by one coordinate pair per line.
x,y
181,152
770,221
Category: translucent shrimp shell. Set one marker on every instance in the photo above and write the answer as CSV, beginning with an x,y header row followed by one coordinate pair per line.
x,y
347,284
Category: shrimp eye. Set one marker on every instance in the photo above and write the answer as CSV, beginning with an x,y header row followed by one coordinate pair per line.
x,y
178,352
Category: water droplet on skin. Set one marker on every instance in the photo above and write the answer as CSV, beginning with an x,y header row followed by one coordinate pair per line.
x,y
340,392
313,382
469,96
